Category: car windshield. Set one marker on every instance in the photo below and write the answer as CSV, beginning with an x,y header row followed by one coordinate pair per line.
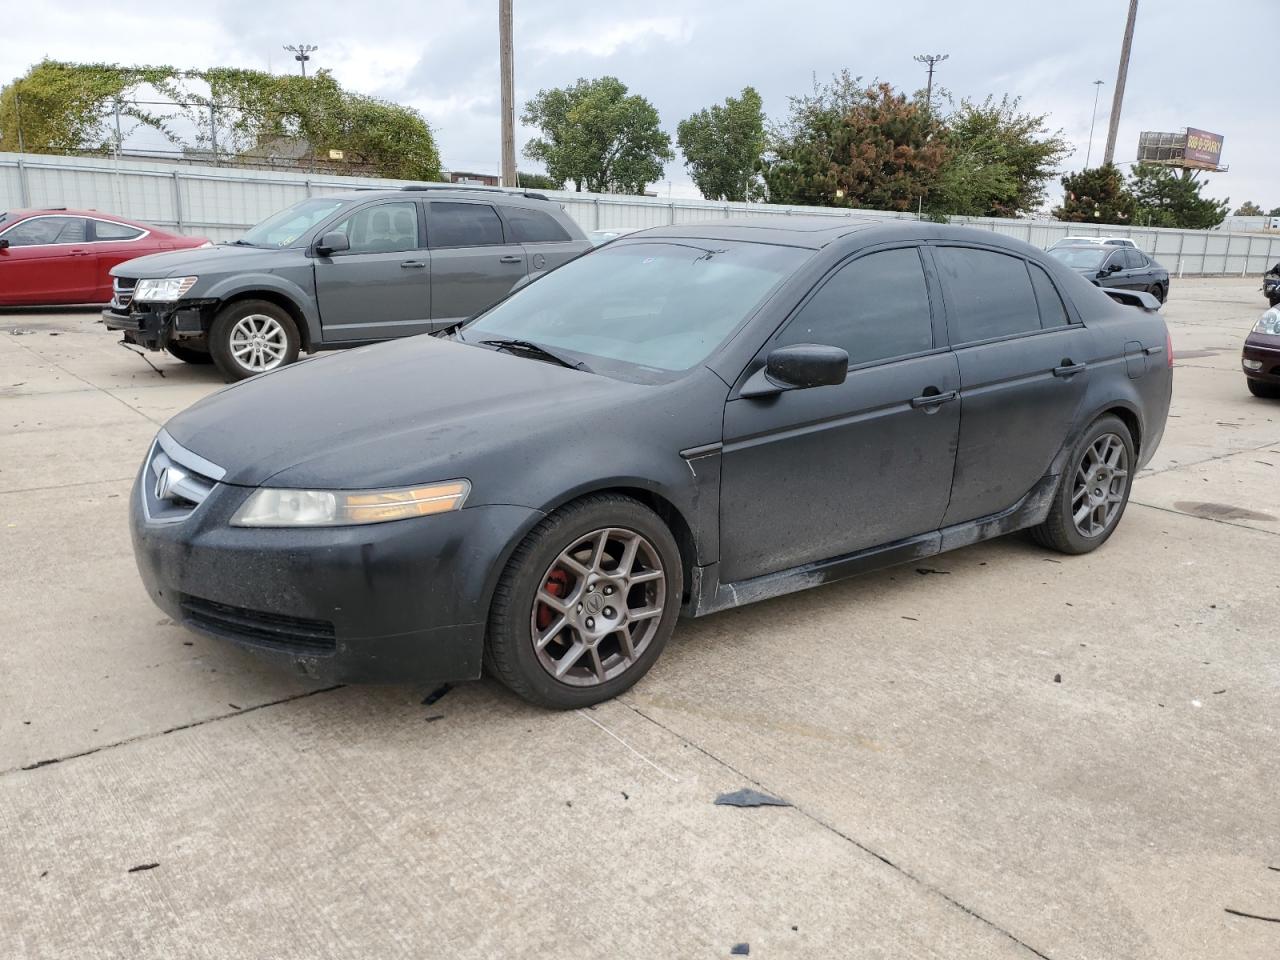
x,y
661,305
286,227
1082,257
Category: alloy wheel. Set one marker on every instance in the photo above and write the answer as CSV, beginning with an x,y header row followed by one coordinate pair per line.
x,y
1097,495
258,342
598,607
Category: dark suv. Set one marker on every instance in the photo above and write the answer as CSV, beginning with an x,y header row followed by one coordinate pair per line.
x,y
339,271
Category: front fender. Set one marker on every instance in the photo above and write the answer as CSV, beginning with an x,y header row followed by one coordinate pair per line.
x,y
244,284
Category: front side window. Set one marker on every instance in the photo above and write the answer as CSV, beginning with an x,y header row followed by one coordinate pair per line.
x,y
382,228
534,226
988,294
39,231
875,307
290,225
643,309
463,225
106,230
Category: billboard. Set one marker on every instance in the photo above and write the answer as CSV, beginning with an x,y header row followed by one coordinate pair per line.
x,y
1203,150
1191,148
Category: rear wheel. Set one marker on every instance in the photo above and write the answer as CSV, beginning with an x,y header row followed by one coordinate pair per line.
x,y
1268,391
1158,292
252,337
1093,491
586,604
189,354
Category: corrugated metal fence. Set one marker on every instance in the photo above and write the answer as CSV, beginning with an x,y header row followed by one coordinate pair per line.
x,y
221,202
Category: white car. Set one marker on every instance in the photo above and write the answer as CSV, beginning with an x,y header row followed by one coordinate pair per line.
x,y
1105,241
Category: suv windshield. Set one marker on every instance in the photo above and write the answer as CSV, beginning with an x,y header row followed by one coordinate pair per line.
x,y
284,228
1082,257
663,305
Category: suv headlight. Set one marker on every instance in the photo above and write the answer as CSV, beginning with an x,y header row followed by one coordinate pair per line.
x,y
336,508
163,291
1269,322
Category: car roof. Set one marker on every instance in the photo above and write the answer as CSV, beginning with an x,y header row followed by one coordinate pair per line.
x,y
71,212
526,198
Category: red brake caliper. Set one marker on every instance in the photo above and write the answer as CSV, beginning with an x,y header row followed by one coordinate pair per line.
x,y
558,586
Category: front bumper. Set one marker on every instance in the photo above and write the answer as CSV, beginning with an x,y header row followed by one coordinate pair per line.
x,y
1263,350
404,601
155,325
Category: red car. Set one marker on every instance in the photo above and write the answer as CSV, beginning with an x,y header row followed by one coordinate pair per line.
x,y
63,256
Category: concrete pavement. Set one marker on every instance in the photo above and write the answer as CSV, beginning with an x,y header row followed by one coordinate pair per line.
x,y
1024,755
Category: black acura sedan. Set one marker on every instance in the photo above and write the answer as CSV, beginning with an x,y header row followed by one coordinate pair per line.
x,y
685,420
1123,267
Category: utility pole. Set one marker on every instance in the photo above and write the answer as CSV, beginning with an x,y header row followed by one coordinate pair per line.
x,y
506,56
302,53
213,132
932,60
1097,89
1118,97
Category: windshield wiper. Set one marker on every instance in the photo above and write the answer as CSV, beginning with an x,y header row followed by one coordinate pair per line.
x,y
531,349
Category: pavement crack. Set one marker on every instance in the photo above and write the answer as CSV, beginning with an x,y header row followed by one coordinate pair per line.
x,y
90,383
1196,516
164,733
814,818
1196,463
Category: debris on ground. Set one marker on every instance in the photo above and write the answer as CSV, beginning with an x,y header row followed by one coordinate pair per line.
x,y
925,571
746,797
740,950
434,717
1251,916
19,332
143,866
436,694
1057,678
128,346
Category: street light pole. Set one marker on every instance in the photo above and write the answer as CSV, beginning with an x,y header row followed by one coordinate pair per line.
x,y
302,53
931,60
1097,89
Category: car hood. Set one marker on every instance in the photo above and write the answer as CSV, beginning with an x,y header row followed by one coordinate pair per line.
x,y
407,412
180,263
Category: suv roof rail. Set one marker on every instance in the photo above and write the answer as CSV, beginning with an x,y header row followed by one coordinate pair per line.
x,y
468,188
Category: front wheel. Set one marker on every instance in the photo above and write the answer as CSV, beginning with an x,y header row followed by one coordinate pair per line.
x,y
586,603
1093,491
252,337
1267,391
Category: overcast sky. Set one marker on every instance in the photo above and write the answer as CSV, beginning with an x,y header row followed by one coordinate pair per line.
x,y
1194,64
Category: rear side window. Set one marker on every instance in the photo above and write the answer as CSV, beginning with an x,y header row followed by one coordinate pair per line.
x,y
534,226
105,230
875,307
988,294
1052,312
1133,259
47,230
463,225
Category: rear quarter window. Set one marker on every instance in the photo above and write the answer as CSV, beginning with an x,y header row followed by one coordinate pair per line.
x,y
988,294
534,226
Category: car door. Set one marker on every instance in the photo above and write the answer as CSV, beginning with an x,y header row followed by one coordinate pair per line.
x,y
1137,272
1113,272
473,263
380,287
1023,375
47,260
546,243
110,244
812,474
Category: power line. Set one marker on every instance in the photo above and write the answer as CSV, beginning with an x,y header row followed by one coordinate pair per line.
x,y
1097,89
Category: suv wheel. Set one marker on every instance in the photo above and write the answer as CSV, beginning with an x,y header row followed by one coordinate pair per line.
x,y
1093,491
252,337
586,604
188,354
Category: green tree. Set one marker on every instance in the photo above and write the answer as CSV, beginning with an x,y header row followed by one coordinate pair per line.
x,y
999,160
848,145
538,181
1096,195
1249,209
596,135
1165,197
1275,212
722,146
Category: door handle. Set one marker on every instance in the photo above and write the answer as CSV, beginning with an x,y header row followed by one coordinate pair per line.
x,y
510,258
1068,369
412,264
934,399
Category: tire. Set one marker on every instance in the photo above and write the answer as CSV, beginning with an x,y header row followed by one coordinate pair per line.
x,y
1060,530
1158,292
596,665
189,354
1273,300
250,337
1267,391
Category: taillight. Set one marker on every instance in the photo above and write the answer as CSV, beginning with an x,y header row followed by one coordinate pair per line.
x,y
1168,347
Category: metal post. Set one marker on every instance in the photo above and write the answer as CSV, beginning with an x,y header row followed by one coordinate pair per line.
x,y
506,57
119,140
1182,239
595,203
177,201
24,188
1117,98
213,132
672,215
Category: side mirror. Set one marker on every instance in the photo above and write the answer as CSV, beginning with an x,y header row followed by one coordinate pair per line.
x,y
798,367
332,243
1114,268
4,243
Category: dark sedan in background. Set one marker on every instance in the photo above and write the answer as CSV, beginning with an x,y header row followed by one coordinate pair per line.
x,y
684,420
57,255
1261,359
1120,267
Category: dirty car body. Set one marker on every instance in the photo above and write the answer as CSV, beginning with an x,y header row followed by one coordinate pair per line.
x,y
823,400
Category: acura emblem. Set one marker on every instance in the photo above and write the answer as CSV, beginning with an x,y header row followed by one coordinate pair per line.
x,y
169,478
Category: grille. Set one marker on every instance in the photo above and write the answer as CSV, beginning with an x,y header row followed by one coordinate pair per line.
x,y
122,293
176,481
274,630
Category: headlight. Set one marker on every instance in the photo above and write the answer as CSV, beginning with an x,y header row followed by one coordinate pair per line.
x,y
1269,322
171,288
337,508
